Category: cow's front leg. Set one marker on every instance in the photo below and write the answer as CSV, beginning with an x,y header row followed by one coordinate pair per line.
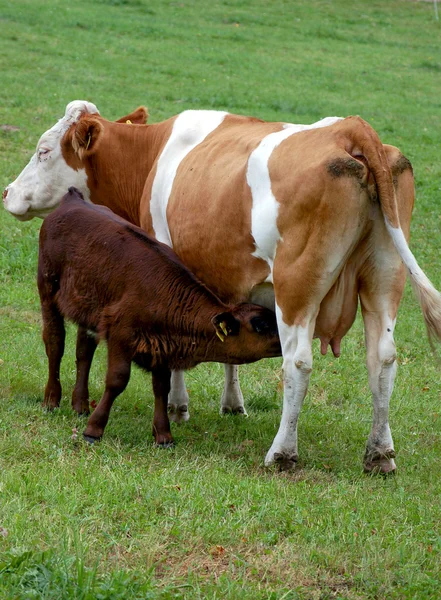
x,y
382,367
178,398
232,398
296,343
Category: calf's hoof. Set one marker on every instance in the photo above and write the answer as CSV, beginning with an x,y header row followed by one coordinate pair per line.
x,y
178,413
377,462
90,439
165,445
236,410
163,440
285,460
80,403
50,406
82,412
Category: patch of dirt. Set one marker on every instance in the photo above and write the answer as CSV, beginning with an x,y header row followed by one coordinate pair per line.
x,y
9,128
25,316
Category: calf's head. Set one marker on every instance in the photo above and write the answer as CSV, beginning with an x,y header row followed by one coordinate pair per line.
x,y
38,189
245,334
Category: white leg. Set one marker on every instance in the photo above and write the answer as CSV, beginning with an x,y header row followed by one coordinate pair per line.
x,y
178,398
296,343
382,367
232,399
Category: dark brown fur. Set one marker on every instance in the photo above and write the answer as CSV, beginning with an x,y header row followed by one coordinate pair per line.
x,y
112,279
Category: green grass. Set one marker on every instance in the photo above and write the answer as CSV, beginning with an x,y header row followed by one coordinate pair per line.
x,y
205,519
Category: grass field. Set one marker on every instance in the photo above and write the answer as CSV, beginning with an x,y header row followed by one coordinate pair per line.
x,y
126,520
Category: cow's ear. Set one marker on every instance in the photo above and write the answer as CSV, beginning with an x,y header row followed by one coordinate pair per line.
x,y
86,136
225,324
137,117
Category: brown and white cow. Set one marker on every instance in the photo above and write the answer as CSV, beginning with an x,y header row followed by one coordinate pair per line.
x,y
111,278
317,214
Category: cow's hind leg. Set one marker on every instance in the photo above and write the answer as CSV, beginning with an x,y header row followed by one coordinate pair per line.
x,y
381,362
178,398
86,346
53,337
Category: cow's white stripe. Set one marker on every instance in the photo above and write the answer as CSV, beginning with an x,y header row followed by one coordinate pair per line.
x,y
190,129
265,207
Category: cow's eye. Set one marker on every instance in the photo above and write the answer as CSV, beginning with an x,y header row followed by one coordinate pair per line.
x,y
42,152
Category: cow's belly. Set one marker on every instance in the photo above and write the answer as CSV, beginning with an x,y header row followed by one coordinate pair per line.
x,y
209,220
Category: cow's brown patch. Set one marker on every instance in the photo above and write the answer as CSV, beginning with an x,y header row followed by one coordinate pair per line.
x,y
401,165
349,167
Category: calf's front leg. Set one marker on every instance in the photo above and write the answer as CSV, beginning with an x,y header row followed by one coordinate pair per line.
x,y
117,378
161,424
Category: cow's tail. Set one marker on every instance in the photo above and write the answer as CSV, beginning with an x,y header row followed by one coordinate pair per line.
x,y
428,297
367,142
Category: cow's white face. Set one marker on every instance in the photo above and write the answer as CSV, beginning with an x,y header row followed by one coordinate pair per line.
x,y
38,189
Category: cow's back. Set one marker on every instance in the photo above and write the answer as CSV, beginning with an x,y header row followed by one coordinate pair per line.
x,y
234,194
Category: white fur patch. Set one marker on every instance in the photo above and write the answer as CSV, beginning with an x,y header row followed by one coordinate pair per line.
x,y
297,365
38,189
190,129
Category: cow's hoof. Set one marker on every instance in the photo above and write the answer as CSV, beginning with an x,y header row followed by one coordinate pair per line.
x,y
178,413
236,410
381,463
90,439
286,461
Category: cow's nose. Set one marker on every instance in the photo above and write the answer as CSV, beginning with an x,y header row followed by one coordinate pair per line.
x,y
5,193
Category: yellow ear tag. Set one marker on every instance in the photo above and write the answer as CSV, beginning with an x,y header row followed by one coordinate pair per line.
x,y
128,122
220,336
89,138
223,327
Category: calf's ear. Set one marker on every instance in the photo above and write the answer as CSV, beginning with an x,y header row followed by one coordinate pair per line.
x,y
86,136
225,324
137,117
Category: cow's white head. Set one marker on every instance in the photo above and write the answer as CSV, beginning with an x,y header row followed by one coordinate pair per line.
x,y
40,186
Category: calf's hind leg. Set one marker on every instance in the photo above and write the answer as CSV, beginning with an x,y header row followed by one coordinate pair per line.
x,y
53,337
86,346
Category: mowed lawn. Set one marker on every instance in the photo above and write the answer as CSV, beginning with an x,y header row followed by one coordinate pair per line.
x,y
205,519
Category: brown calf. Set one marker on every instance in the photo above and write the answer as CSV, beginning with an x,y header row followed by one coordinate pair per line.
x,y
112,279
